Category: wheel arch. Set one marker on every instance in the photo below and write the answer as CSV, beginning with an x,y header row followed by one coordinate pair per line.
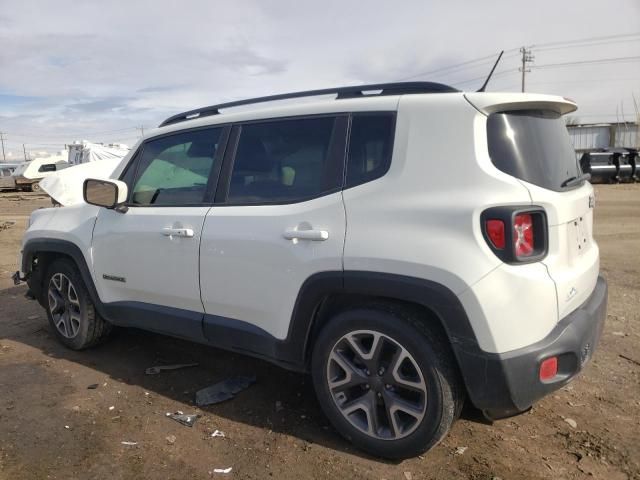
x,y
326,293
38,254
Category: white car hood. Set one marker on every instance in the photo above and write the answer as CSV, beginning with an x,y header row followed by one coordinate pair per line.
x,y
65,186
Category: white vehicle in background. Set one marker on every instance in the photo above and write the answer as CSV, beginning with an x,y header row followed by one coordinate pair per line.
x,y
7,182
85,152
409,245
28,175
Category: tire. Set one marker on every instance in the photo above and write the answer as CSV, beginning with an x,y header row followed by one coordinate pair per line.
x,y
70,311
35,187
429,364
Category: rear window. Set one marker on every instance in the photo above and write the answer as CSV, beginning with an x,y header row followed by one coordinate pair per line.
x,y
534,146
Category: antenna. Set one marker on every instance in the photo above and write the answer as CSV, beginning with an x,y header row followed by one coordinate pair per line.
x,y
484,85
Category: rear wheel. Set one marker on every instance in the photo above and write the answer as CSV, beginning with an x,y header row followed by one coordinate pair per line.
x,y
69,308
387,383
35,187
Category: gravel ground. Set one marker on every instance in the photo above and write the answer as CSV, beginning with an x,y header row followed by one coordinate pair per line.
x,y
52,426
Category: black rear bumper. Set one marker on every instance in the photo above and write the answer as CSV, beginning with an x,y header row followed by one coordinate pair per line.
x,y
502,385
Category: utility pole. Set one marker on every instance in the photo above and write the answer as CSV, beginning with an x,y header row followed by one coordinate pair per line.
x,y
141,128
4,159
24,149
526,58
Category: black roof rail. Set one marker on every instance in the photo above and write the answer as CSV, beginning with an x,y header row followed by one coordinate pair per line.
x,y
340,92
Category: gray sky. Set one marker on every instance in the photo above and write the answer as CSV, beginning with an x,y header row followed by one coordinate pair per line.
x,y
95,70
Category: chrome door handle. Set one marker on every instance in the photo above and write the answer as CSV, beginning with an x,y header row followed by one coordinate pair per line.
x,y
177,232
315,235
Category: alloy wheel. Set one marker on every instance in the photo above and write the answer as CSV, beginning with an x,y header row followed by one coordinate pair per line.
x,y
377,385
64,305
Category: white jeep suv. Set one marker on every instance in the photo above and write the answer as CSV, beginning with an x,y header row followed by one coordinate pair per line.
x,y
407,244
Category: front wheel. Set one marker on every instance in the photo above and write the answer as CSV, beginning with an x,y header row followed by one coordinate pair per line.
x,y
69,308
385,381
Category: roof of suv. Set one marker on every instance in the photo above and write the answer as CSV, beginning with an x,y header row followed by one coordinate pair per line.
x,y
380,89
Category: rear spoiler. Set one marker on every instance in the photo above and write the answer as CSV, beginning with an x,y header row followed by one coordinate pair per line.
x,y
489,103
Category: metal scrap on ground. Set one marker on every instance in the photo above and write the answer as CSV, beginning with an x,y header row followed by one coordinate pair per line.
x,y
224,390
158,368
180,417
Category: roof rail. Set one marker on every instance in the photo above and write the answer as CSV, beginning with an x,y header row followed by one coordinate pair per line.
x,y
340,92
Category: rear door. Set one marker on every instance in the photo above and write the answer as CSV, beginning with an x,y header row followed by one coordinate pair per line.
x,y
146,259
278,219
535,147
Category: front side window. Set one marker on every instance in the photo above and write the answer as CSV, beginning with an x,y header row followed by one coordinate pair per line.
x,y
284,161
175,170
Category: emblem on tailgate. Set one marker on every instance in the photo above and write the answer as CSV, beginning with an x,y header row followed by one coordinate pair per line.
x,y
592,201
572,293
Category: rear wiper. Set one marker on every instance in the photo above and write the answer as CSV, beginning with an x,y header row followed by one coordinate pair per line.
x,y
573,181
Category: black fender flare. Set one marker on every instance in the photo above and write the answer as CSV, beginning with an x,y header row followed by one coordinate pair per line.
x,y
37,246
433,296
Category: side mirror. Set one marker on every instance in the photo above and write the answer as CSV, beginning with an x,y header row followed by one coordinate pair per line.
x,y
104,193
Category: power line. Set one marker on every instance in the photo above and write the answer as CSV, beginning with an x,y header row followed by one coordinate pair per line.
x,y
483,60
590,44
589,62
582,40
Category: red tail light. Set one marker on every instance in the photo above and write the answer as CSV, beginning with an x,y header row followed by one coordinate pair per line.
x,y
523,241
516,234
495,231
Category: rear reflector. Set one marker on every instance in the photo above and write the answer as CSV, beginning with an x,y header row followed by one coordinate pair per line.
x,y
523,235
549,368
495,231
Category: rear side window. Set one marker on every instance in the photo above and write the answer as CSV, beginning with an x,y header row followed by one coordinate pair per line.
x,y
534,146
284,161
174,170
370,147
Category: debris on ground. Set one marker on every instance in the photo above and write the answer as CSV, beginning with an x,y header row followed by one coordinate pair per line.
x,y
572,423
629,359
460,450
171,439
180,417
6,225
111,408
67,427
75,408
225,390
218,433
158,368
129,444
408,475
220,470
93,386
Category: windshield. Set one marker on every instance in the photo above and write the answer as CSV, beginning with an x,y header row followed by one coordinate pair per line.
x,y
534,146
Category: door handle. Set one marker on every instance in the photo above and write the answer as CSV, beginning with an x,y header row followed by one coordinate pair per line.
x,y
177,232
315,235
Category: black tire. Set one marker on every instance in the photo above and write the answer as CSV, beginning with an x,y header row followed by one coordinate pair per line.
x,y
91,328
430,352
35,187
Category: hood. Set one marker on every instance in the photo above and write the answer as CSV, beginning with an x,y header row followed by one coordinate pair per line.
x,y
65,186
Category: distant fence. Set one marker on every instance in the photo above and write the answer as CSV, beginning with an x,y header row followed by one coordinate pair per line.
x,y
587,138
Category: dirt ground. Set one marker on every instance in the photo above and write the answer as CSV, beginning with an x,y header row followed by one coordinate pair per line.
x,y
52,426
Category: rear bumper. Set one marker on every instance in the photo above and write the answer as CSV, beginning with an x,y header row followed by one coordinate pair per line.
x,y
502,385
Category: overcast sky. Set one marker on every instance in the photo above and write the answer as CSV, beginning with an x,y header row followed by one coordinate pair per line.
x,y
97,69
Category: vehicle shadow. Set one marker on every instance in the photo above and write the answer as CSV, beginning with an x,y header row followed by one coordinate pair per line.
x,y
280,400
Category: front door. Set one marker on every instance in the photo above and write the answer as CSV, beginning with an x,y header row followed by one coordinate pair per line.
x,y
145,260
